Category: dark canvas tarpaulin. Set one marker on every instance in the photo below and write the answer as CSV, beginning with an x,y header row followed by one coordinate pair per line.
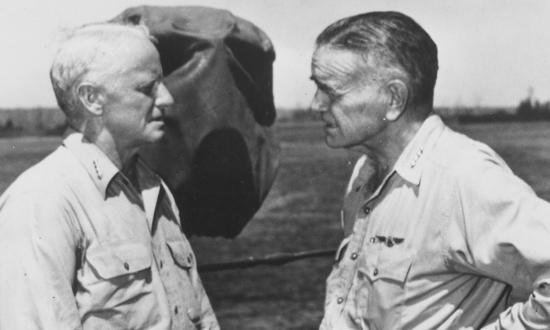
x,y
218,156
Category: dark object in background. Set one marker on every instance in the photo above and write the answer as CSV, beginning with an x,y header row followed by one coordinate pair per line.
x,y
218,156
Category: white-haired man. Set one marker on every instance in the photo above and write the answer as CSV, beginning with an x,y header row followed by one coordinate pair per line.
x,y
90,238
439,232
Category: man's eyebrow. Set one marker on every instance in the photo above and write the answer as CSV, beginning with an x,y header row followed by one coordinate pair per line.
x,y
147,82
154,79
319,84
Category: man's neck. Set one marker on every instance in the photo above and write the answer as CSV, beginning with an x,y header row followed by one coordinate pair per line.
x,y
118,153
121,157
387,147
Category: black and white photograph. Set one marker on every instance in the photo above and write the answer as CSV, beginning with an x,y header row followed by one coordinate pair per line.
x,y
266,165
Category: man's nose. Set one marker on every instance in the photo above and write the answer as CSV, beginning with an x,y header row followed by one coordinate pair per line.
x,y
319,102
164,98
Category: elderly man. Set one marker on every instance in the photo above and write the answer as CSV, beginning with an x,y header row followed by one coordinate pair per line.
x,y
439,231
90,238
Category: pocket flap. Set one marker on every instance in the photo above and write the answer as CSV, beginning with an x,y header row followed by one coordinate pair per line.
x,y
392,264
181,252
395,269
110,261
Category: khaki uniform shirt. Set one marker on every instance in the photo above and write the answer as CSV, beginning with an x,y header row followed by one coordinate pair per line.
x,y
83,248
444,242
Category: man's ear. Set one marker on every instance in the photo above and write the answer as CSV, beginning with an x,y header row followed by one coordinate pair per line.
x,y
398,98
91,98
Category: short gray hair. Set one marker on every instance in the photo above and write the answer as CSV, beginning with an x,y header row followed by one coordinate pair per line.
x,y
79,58
394,40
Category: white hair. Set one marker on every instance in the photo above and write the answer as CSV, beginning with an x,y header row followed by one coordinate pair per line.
x,y
84,56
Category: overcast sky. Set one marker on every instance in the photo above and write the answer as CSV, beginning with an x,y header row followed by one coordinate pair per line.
x,y
490,51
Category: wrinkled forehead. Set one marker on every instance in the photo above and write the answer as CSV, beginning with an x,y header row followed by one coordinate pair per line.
x,y
135,57
338,66
95,52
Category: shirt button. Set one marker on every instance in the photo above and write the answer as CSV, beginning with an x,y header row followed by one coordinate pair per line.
x,y
161,264
375,272
126,266
366,209
193,315
340,300
176,309
354,256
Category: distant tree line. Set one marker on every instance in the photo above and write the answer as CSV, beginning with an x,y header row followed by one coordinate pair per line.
x,y
533,109
51,121
528,109
34,121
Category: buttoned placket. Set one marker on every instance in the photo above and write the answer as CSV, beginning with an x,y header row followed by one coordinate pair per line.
x,y
360,231
160,250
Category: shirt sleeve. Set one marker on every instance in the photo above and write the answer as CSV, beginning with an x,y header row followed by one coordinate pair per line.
x,y
38,245
506,228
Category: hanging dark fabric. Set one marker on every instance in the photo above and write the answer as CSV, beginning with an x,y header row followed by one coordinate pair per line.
x,y
219,156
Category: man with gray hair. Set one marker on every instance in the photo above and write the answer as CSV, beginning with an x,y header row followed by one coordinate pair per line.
x,y
439,233
90,237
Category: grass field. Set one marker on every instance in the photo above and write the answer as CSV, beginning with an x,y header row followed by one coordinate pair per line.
x,y
301,212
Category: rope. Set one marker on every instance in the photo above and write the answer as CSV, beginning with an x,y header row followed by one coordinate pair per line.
x,y
275,259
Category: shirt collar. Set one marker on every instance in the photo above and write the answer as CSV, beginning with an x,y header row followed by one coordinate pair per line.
x,y
410,162
150,186
100,168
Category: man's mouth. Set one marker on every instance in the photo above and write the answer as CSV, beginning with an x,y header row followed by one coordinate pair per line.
x,y
328,123
154,119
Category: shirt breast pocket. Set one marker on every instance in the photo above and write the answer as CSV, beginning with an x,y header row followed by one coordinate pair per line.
x,y
382,277
181,253
117,274
184,259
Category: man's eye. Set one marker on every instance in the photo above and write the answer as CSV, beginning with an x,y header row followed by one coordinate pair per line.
x,y
335,95
148,89
332,94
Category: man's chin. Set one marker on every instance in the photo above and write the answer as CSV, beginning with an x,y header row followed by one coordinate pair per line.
x,y
156,135
338,142
331,142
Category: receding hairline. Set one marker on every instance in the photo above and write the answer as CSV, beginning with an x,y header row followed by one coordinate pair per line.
x,y
91,53
113,29
399,43
370,67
